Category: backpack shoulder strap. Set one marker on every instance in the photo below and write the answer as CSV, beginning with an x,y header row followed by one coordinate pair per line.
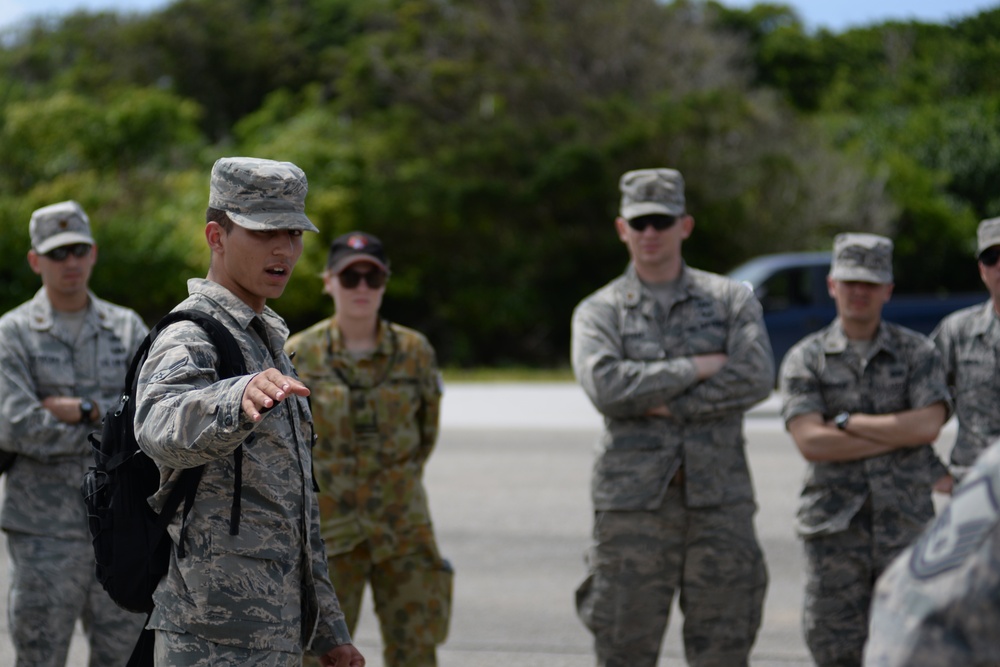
x,y
231,364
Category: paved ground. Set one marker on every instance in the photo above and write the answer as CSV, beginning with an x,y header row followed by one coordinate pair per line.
x,y
509,496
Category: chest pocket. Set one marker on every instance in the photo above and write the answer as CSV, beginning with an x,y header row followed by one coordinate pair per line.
x,y
113,360
888,389
641,347
976,371
331,409
398,403
703,327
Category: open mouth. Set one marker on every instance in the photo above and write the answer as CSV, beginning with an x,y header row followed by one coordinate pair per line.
x,y
279,271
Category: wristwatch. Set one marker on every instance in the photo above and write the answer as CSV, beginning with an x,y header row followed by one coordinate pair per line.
x,y
86,410
840,421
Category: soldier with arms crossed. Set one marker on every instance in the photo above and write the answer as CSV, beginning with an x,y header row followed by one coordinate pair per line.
x,y
862,399
969,341
63,359
672,357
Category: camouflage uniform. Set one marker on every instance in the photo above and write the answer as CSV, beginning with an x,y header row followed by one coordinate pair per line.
x,y
856,516
53,577
377,423
265,590
673,499
969,341
939,602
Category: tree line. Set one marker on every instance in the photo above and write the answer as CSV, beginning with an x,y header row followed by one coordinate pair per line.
x,y
483,140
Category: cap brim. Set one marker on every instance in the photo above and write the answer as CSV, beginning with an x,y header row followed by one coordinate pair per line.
x,y
356,259
649,208
861,275
262,222
66,238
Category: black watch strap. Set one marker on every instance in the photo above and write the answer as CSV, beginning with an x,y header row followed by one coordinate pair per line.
x,y
840,421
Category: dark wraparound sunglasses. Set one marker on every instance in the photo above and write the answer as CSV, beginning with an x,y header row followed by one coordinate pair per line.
x,y
659,222
62,252
990,256
350,278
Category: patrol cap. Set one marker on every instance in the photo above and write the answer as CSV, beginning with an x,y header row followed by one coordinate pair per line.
x,y
260,194
57,225
862,257
356,247
651,192
988,234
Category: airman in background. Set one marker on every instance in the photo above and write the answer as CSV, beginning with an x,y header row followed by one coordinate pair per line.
x,y
862,399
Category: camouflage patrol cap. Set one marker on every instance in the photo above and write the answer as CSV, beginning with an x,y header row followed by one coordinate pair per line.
x,y
864,258
57,225
260,194
988,234
651,192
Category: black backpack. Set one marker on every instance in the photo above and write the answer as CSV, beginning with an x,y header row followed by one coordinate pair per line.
x,y
131,544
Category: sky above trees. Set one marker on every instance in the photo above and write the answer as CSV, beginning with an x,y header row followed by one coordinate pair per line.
x,y
831,14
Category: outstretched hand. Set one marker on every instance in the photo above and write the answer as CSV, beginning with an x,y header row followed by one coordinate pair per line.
x,y
344,655
267,389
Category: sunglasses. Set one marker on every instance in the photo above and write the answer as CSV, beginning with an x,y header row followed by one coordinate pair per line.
x,y
658,221
351,278
990,256
62,252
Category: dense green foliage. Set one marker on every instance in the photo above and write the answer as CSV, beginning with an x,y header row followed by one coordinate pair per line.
x,y
483,140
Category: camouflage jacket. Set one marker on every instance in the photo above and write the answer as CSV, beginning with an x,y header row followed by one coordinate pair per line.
x,y
376,422
937,604
630,355
823,374
969,341
266,588
39,359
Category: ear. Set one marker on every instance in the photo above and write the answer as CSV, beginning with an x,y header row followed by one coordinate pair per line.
x,y
829,287
33,261
328,279
621,226
687,225
214,235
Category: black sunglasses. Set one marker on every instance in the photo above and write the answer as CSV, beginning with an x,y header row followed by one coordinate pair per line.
x,y
62,252
350,278
990,256
659,222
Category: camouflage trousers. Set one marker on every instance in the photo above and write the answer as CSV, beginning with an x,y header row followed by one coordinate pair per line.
x,y
639,560
412,595
53,584
179,649
841,570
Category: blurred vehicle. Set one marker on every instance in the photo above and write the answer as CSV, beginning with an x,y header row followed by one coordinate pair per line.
x,y
791,288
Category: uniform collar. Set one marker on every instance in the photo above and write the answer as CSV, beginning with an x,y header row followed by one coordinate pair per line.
x,y
835,341
984,319
235,307
383,342
41,317
634,293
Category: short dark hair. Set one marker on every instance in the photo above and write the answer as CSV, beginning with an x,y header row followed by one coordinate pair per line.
x,y
219,216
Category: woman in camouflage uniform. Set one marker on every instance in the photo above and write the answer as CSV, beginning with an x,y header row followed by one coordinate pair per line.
x,y
376,396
